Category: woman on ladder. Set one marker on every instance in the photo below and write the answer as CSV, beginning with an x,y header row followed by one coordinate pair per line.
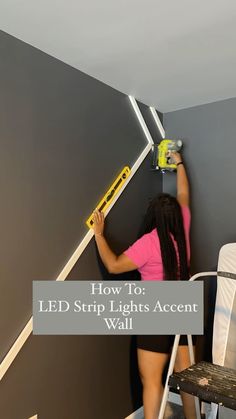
x,y
163,252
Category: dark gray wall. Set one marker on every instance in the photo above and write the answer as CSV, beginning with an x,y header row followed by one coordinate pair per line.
x,y
209,135
64,137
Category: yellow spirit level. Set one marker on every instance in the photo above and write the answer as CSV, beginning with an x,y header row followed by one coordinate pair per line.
x,y
111,193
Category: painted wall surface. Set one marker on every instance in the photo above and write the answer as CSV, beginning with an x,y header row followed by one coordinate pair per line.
x,y
209,135
64,138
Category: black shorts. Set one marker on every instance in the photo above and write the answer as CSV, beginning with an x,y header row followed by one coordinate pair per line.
x,y
160,343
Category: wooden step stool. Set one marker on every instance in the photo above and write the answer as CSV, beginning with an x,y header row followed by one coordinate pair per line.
x,y
209,382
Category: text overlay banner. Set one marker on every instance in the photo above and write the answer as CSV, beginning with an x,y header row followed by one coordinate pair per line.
x,y
117,307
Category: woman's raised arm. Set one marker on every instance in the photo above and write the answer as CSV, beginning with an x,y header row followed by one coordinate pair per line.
x,y
183,190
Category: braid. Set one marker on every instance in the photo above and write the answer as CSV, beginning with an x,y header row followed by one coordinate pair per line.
x,y
164,214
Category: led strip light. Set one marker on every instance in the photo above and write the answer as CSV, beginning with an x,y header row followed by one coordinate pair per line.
x,y
23,336
158,121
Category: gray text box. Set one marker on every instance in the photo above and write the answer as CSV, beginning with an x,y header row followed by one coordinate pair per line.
x,y
117,307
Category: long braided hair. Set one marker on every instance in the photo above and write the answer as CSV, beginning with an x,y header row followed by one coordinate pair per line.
x,y
164,214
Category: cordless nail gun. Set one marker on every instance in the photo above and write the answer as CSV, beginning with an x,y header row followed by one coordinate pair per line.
x,y
161,154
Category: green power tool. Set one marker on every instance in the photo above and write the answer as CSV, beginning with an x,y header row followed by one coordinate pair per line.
x,y
161,155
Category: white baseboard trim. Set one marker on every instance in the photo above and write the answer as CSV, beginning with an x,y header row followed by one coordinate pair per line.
x,y
138,414
175,398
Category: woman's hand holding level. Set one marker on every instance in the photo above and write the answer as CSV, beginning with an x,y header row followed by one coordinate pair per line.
x,y
98,226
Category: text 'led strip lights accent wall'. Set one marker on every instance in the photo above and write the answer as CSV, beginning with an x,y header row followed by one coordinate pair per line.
x,y
23,336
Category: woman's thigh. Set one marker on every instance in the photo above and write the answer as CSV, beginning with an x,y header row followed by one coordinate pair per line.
x,y
151,365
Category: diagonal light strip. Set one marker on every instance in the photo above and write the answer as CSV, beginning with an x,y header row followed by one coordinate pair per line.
x,y
141,120
157,121
23,336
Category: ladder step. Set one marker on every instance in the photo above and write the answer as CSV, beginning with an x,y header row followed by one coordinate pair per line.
x,y
209,382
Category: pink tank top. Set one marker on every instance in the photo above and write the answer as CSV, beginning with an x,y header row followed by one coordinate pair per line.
x,y
145,253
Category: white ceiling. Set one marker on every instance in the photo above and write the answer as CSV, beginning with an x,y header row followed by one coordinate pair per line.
x,y
171,53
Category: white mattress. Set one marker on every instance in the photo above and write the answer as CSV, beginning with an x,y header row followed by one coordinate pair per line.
x,y
224,331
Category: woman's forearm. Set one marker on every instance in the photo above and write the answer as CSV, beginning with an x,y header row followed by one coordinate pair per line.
x,y
182,180
114,264
182,185
106,254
